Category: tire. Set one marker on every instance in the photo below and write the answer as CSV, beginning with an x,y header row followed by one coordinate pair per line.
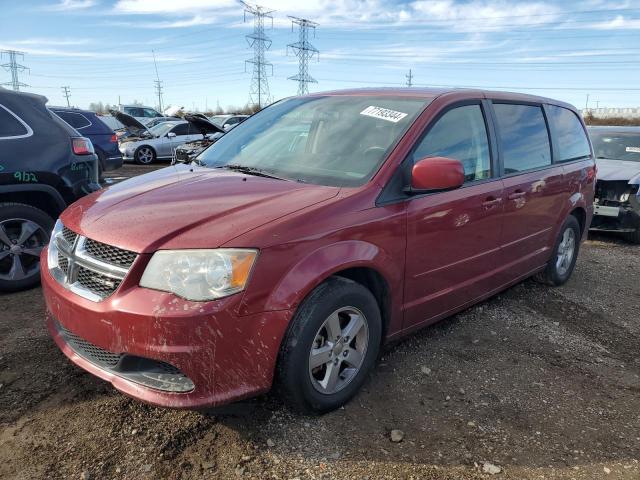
x,y
567,246
310,332
20,262
144,155
100,168
633,237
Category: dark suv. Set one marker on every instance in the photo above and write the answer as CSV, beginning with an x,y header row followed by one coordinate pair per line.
x,y
103,138
44,166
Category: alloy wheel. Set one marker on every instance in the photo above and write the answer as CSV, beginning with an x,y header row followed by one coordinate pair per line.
x,y
338,350
145,155
21,242
566,251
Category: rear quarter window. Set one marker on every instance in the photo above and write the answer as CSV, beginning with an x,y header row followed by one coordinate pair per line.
x,y
76,120
524,138
12,126
571,139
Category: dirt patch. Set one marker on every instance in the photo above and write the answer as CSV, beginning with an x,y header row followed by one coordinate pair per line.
x,y
538,382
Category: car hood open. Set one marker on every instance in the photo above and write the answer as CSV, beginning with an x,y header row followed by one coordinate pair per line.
x,y
187,207
132,125
202,124
610,170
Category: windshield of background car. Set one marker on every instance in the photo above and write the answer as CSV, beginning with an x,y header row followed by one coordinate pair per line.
x,y
616,146
162,128
326,140
218,119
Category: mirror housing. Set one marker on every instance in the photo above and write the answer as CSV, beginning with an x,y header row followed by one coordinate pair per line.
x,y
436,173
171,135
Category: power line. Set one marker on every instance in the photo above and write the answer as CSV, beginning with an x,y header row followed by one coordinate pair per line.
x,y
14,67
157,82
409,79
66,92
304,51
259,89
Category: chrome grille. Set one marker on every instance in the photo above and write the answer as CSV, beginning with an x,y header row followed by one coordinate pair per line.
x,y
109,254
69,235
63,263
101,285
88,268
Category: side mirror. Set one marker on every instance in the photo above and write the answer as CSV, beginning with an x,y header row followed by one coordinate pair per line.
x,y
436,173
227,127
171,135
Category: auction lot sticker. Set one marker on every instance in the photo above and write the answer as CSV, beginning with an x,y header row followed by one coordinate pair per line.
x,y
383,114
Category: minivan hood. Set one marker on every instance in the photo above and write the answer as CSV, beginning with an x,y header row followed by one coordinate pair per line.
x,y
187,207
611,170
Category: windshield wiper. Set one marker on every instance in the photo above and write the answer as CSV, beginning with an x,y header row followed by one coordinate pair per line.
x,y
258,172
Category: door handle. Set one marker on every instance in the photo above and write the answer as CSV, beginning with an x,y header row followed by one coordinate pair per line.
x,y
517,194
491,202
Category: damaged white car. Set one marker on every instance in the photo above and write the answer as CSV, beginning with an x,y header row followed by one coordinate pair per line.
x,y
617,199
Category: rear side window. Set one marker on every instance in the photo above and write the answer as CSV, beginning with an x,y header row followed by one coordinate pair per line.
x,y
460,134
12,126
571,137
524,138
76,120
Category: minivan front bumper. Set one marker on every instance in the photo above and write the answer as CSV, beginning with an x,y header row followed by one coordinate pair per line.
x,y
164,350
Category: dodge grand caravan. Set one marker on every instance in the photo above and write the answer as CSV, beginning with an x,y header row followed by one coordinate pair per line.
x,y
312,233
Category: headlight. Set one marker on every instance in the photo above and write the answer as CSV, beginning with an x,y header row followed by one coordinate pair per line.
x,y
199,274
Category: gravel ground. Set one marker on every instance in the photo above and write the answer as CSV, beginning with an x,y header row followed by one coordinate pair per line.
x,y
535,383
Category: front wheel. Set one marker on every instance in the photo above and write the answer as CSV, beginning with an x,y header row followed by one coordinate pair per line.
x,y
563,260
145,155
24,232
331,345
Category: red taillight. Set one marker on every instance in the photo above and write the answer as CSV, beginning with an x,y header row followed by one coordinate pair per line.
x,y
82,146
114,138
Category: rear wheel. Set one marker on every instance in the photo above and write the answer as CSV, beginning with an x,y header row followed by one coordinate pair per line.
x,y
563,260
332,344
145,155
24,232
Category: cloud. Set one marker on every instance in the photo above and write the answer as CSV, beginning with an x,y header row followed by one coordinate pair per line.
x,y
461,16
165,24
172,6
52,41
618,23
66,5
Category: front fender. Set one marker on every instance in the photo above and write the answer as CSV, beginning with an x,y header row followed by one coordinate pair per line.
x,y
307,273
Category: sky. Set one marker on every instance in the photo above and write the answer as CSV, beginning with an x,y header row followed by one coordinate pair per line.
x,y
102,49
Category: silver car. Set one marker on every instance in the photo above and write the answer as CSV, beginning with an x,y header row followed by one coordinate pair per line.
x,y
159,142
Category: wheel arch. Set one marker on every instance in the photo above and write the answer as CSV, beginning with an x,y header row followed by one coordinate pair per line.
x,y
43,197
355,260
581,215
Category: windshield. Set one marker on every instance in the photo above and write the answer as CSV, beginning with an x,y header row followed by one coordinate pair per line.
x,y
325,140
162,128
616,146
218,119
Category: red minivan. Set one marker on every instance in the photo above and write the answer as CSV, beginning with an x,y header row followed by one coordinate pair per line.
x,y
317,230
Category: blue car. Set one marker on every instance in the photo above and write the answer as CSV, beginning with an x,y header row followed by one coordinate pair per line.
x,y
104,140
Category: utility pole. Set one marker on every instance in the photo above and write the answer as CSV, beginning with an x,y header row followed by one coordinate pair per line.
x,y
409,79
259,89
586,105
158,83
304,51
66,91
14,67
